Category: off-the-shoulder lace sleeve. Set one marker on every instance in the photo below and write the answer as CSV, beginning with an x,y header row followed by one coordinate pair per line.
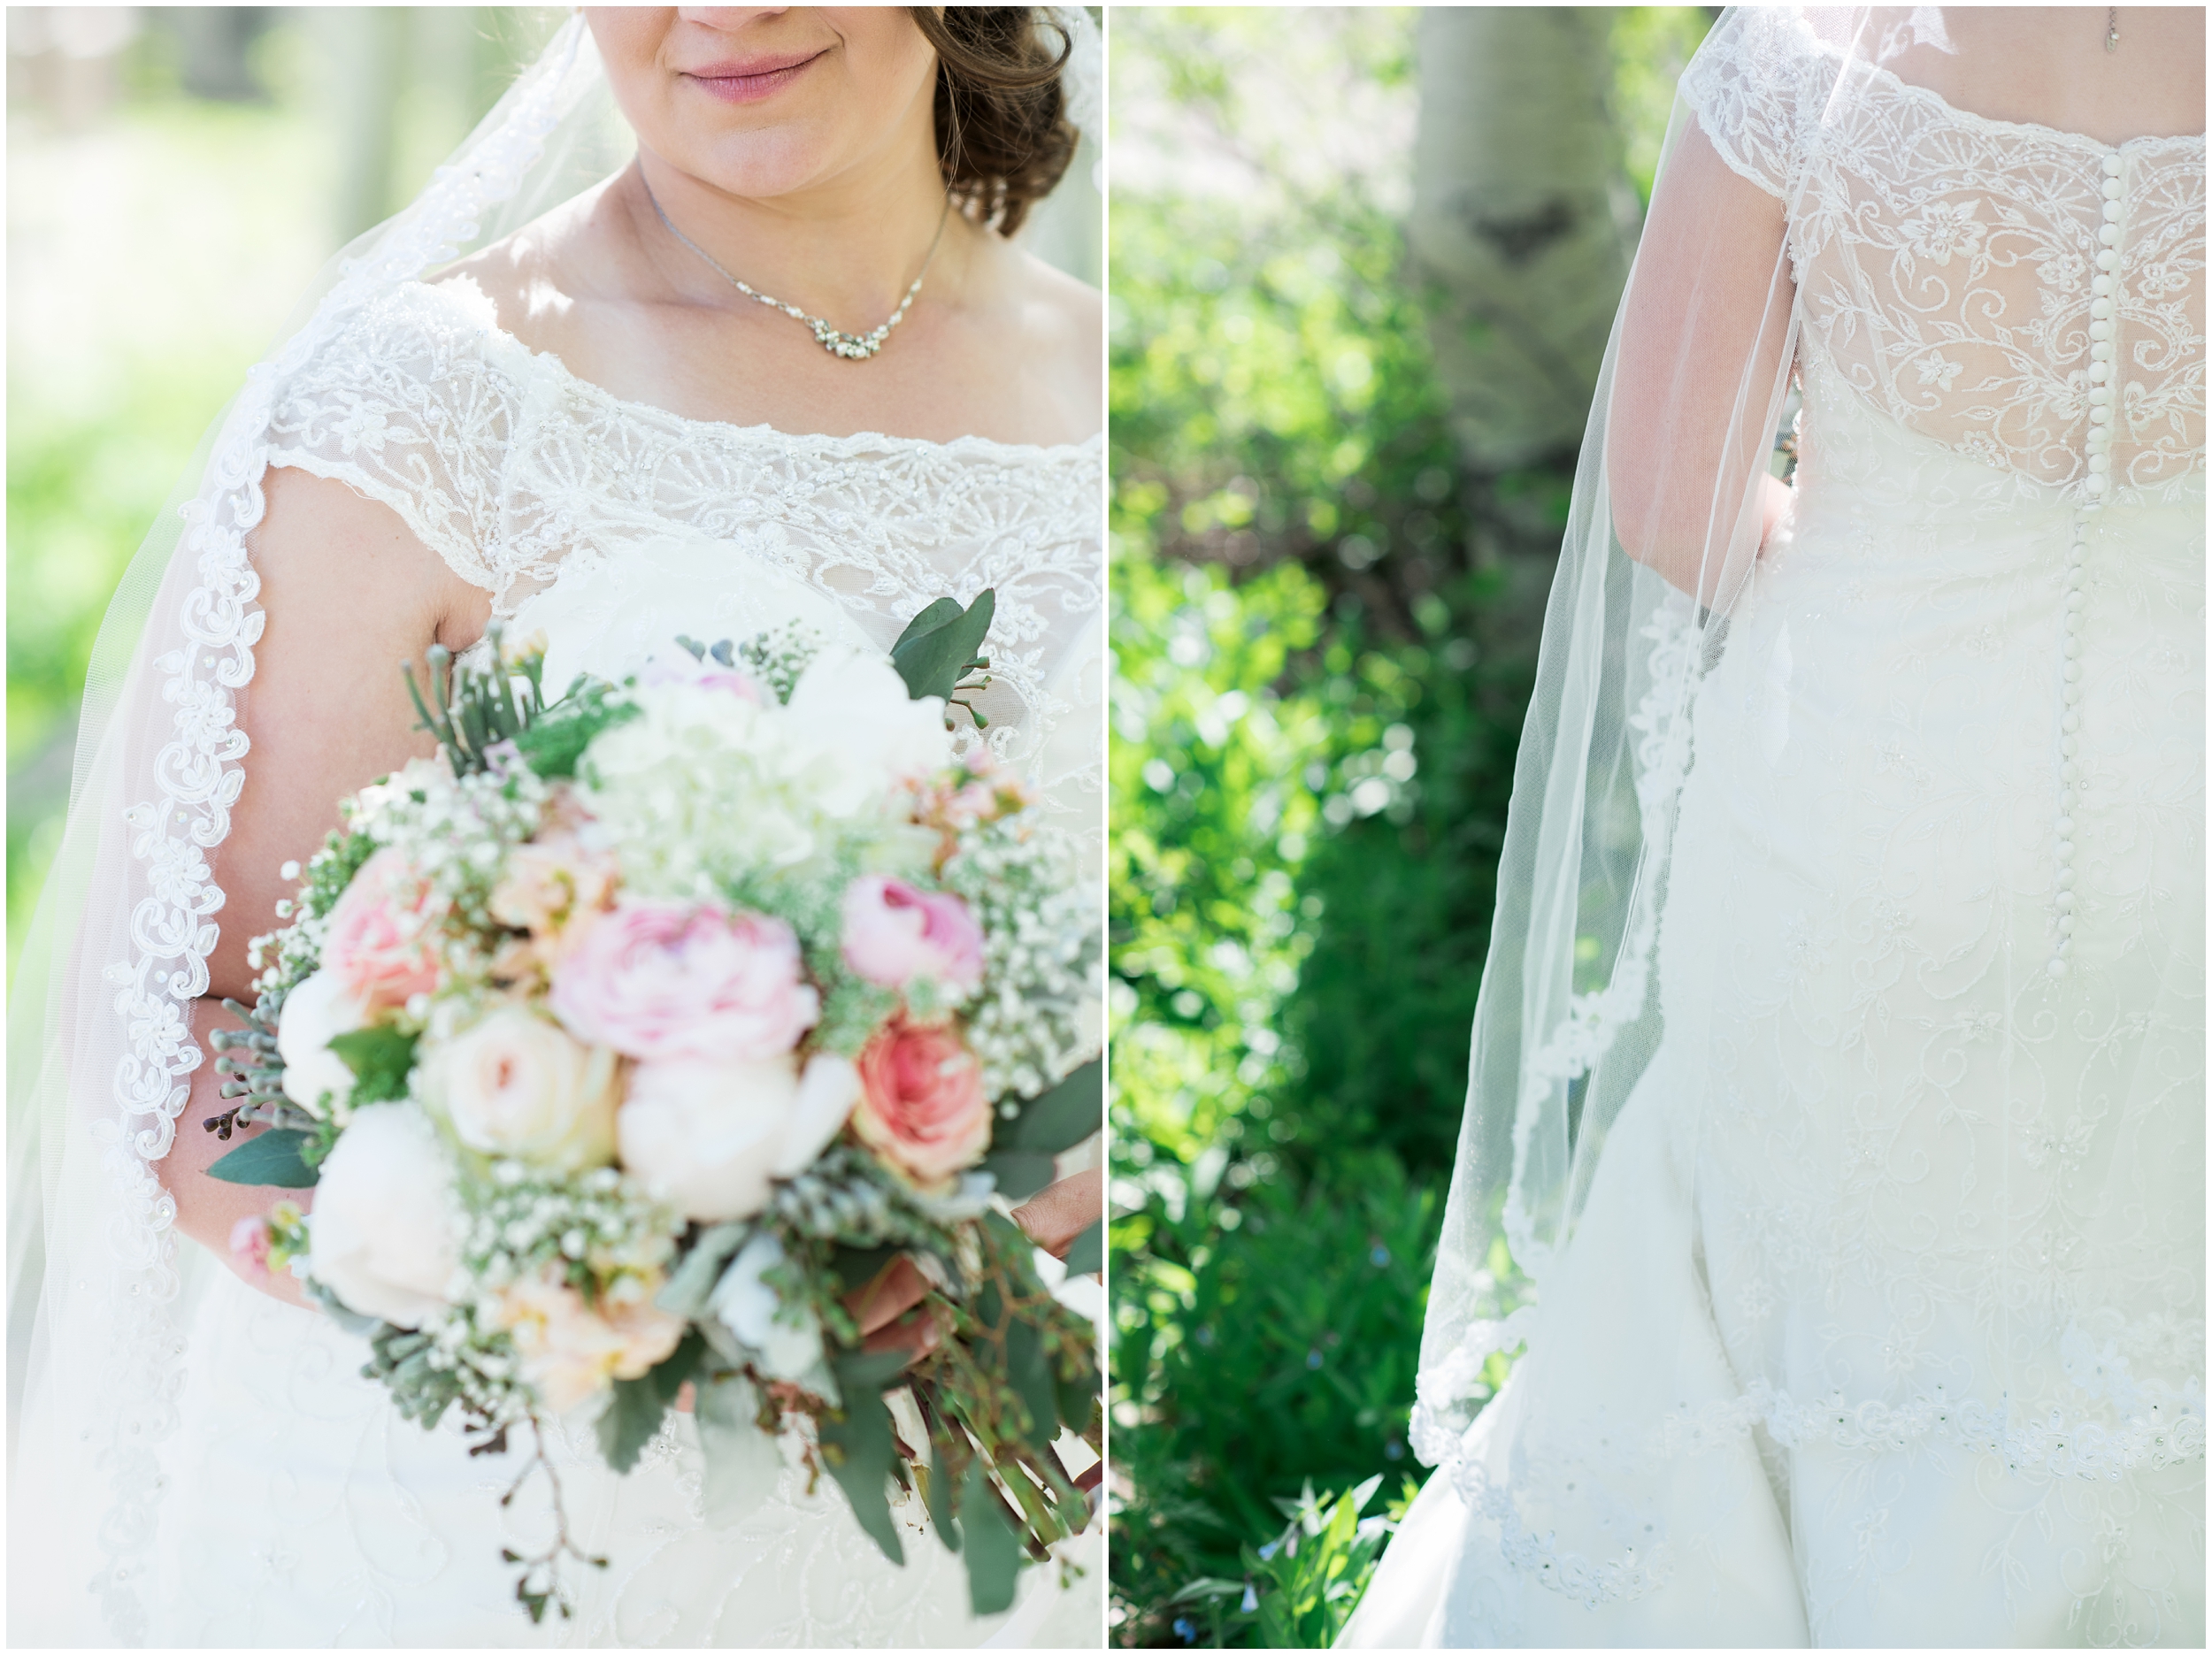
x,y
412,402
1746,84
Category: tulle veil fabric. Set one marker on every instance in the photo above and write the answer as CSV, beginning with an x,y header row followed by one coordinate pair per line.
x,y
101,1054
1669,506
1567,1020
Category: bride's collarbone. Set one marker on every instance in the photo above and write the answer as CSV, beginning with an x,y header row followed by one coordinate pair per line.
x,y
942,374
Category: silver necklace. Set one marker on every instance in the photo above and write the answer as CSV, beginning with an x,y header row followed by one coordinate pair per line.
x,y
2112,28
852,346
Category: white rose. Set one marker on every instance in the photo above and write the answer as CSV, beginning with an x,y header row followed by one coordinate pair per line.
x,y
515,1084
788,1338
708,1135
384,1235
852,711
314,1014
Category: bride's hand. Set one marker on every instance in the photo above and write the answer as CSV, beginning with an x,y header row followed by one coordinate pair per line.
x,y
1054,1217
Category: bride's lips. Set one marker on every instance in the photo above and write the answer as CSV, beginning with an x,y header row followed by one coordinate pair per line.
x,y
750,79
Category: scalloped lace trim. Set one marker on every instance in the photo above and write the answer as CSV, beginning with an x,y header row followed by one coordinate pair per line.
x,y
199,775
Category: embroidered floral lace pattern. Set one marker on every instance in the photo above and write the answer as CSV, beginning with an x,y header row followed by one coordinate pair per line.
x,y
520,474
172,930
1944,261
1945,1210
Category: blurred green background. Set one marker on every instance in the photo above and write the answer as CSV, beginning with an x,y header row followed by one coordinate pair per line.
x,y
176,177
1328,559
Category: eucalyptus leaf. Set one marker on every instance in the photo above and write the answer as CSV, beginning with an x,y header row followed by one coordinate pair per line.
x,y
1086,1253
1020,1173
1029,1370
688,1290
859,1441
742,1462
1056,1120
937,648
632,1415
993,1550
273,1157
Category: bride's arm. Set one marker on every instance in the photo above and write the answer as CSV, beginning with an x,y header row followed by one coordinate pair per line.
x,y
1703,333
348,594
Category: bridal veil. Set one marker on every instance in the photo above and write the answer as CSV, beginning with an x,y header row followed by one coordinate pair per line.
x,y
1823,224
100,1050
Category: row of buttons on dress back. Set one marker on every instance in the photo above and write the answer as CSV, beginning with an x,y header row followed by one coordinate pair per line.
x,y
2104,323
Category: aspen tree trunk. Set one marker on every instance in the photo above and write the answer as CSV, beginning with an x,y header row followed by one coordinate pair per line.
x,y
1522,221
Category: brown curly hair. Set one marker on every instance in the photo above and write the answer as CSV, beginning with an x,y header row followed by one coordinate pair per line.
x,y
1002,133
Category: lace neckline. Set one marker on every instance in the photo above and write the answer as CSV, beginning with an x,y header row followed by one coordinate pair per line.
x,y
1991,123
819,444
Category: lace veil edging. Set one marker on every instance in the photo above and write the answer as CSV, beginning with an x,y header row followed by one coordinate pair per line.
x,y
101,1053
1652,567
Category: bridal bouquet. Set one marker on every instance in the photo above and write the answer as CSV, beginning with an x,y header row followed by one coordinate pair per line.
x,y
630,1039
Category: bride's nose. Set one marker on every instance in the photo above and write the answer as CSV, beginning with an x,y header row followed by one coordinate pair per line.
x,y
729,18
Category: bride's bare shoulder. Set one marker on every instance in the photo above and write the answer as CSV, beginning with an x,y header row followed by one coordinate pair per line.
x,y
539,277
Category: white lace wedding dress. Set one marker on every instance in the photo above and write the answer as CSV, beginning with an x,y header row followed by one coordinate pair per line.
x,y
1908,1207
300,1508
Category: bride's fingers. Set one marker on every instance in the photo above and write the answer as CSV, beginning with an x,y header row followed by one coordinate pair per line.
x,y
917,1334
1058,1214
898,1287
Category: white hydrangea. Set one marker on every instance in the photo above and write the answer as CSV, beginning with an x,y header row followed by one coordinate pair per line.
x,y
704,787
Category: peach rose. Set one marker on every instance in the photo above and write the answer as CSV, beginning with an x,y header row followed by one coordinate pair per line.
x,y
380,942
570,1352
661,980
553,887
922,1107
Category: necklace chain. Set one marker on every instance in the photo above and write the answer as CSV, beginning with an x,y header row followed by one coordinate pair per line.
x,y
2112,28
852,346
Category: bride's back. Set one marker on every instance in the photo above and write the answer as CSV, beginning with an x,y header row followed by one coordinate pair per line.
x,y
1976,201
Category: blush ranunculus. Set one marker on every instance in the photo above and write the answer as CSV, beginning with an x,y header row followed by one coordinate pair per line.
x,y
922,1107
379,943
894,933
660,981
517,1084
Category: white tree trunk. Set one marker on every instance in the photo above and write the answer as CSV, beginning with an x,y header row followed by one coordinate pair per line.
x,y
1523,221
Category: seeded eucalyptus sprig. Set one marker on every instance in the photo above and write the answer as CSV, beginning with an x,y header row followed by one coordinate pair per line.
x,y
472,709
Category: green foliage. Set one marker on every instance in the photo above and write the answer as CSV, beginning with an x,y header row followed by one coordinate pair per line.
x,y
1324,629
379,1057
941,643
278,1158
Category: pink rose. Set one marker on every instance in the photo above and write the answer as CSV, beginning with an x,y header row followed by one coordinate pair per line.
x,y
894,933
379,943
250,1242
922,1107
659,980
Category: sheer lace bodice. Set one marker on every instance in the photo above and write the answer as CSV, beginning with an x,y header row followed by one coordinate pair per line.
x,y
521,475
1946,262
303,1507
1882,1319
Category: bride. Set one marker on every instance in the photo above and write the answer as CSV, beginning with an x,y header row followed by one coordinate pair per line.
x,y
784,363
1838,1072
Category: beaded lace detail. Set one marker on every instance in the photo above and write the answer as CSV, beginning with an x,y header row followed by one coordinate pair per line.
x,y
1946,262
520,474
1936,1223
